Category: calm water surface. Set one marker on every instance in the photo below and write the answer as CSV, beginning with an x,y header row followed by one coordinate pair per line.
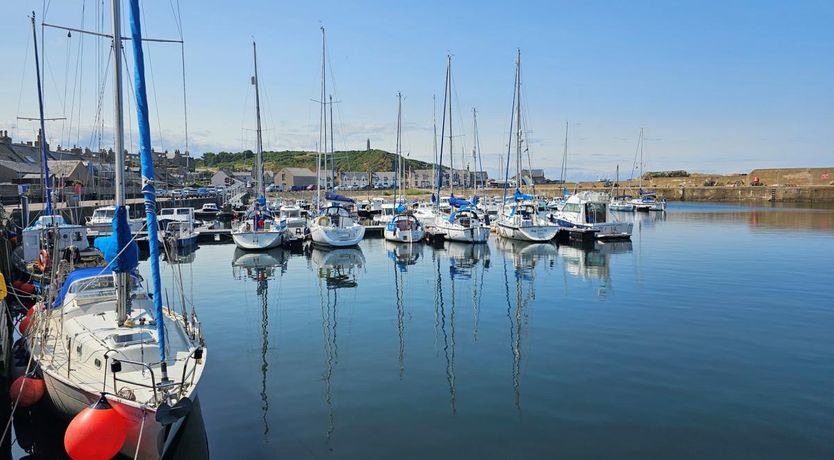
x,y
707,336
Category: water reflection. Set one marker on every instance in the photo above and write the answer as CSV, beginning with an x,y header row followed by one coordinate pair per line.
x,y
176,256
593,263
261,267
404,254
338,269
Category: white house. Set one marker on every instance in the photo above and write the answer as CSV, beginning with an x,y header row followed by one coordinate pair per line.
x,y
353,180
385,179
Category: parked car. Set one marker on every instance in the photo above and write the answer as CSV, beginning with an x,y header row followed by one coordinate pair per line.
x,y
202,192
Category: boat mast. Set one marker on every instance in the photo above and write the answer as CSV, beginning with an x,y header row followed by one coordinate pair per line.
x,y
565,158
332,152
47,193
641,160
451,149
506,167
118,145
259,162
322,124
518,123
442,134
475,146
399,148
434,137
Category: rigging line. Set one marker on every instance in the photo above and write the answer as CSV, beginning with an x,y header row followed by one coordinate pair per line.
x,y
22,80
153,87
97,119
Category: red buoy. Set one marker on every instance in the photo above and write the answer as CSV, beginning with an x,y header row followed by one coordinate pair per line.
x,y
27,390
17,283
27,288
23,327
97,432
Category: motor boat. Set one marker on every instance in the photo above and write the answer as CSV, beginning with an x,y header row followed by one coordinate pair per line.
x,y
294,222
208,211
50,231
589,210
648,202
100,223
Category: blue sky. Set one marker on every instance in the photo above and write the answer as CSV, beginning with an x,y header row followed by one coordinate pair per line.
x,y
718,86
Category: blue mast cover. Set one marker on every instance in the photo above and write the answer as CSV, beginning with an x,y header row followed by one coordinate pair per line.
x,y
119,249
146,160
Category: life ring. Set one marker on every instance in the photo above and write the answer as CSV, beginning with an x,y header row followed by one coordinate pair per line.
x,y
324,221
43,260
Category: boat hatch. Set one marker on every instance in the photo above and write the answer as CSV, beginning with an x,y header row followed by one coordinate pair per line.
x,y
133,338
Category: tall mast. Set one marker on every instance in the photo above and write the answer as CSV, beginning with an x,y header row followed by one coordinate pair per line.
x,y
518,122
322,123
565,157
442,134
47,195
641,159
399,145
259,162
434,137
120,278
332,151
451,149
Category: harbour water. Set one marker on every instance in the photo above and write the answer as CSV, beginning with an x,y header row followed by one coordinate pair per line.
x,y
709,335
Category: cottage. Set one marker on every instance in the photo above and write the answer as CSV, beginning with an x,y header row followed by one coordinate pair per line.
x,y
353,180
385,179
289,178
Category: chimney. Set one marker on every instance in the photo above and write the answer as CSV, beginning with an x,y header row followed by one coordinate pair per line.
x,y
4,137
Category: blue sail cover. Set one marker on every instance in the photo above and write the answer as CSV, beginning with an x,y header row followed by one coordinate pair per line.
x,y
76,275
518,196
146,161
261,200
457,202
120,250
336,197
401,208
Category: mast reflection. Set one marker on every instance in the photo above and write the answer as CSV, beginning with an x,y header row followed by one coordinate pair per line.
x,y
261,267
338,269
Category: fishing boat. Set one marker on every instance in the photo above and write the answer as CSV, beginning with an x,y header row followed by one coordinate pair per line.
x,y
521,220
589,210
103,338
258,229
403,227
100,223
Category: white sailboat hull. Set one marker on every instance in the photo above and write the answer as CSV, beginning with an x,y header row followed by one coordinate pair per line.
x,y
266,239
403,236
155,439
476,234
328,235
534,233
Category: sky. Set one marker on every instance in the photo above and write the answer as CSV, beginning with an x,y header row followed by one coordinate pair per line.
x,y
718,86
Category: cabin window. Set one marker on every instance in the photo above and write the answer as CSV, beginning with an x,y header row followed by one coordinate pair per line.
x,y
97,362
595,213
571,207
182,212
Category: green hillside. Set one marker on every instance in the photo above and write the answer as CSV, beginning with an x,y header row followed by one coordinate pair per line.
x,y
352,160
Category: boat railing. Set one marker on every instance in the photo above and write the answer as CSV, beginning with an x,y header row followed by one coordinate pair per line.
x,y
115,367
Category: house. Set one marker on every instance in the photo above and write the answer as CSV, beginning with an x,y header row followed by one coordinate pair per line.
x,y
14,171
327,178
353,180
287,178
528,178
422,178
385,179
62,173
223,178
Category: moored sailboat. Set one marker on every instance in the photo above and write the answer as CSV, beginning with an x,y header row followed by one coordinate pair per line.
x,y
103,339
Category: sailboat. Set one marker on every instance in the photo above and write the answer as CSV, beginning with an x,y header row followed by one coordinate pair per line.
x,y
521,220
404,227
463,223
103,339
646,201
335,226
258,229
620,202
49,237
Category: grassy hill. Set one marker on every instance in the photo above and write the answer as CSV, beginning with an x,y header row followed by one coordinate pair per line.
x,y
352,160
